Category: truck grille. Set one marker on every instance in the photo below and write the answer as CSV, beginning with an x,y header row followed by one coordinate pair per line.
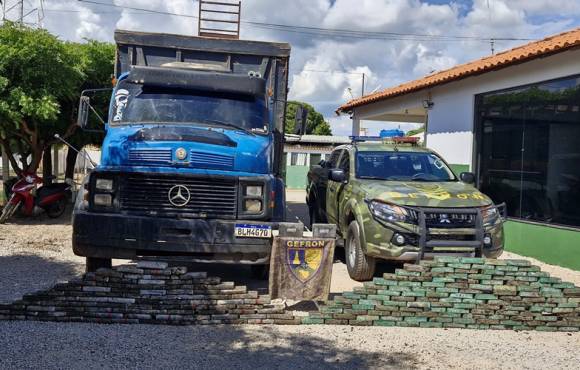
x,y
149,194
211,161
149,156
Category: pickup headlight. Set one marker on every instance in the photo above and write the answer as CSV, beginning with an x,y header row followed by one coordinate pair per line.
x,y
391,212
489,215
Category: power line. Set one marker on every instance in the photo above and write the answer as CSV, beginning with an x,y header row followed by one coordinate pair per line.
x,y
329,32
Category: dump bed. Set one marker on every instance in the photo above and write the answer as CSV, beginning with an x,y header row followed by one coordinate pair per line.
x,y
267,61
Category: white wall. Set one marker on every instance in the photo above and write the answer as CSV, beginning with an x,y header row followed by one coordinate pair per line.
x,y
451,120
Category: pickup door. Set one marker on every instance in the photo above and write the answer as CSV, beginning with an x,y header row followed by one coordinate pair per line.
x,y
335,190
317,186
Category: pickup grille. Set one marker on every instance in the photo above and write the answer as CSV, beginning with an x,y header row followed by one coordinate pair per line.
x,y
211,161
449,220
149,194
149,156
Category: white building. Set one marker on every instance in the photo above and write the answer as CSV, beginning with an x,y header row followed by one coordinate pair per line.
x,y
514,120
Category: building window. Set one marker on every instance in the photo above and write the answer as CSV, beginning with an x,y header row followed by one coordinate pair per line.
x,y
529,156
298,159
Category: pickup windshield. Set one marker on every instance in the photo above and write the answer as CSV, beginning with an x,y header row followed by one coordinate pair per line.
x,y
402,166
135,103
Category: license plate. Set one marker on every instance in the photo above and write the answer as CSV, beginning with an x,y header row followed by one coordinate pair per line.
x,y
252,231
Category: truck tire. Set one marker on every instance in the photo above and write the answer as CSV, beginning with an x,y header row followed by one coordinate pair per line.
x,y
93,264
360,266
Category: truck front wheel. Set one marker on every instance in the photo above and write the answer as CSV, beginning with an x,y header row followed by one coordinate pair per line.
x,y
93,264
360,266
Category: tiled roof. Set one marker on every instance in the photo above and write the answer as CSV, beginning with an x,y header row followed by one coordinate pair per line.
x,y
551,45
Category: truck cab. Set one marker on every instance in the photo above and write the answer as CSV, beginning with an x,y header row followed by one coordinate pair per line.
x,y
191,160
397,201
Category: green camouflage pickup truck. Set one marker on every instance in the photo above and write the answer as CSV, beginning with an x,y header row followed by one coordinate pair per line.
x,y
401,202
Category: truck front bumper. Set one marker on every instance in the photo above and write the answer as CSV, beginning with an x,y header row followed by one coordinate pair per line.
x,y
110,235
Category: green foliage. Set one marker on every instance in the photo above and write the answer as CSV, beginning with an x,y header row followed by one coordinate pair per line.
x,y
41,79
315,123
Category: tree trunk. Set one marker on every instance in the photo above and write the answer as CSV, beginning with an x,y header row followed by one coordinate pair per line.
x,y
5,165
71,159
47,166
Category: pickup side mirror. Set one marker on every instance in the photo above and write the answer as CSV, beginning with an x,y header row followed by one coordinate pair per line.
x,y
322,163
337,175
467,177
84,108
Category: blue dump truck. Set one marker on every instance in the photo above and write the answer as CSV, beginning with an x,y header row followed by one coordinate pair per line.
x,y
192,158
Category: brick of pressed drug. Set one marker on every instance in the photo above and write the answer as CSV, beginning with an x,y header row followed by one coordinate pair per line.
x,y
443,269
96,289
413,267
410,283
152,265
502,290
382,281
360,323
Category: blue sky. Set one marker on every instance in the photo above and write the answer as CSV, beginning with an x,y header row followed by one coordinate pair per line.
x,y
322,68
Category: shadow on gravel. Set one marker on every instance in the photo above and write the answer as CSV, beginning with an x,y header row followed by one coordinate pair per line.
x,y
89,346
42,219
26,273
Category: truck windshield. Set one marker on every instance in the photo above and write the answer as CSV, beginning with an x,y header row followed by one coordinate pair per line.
x,y
135,103
402,166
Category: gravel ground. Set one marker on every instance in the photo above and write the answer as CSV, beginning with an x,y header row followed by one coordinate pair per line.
x,y
36,253
86,346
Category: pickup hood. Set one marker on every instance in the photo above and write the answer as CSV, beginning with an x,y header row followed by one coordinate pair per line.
x,y
208,148
425,194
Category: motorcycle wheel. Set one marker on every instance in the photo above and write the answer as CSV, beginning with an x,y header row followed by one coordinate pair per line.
x,y
57,209
8,211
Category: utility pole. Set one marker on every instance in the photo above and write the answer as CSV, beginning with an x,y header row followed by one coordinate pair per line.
x,y
363,85
492,43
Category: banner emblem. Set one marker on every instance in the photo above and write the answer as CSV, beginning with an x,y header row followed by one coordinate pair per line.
x,y
304,258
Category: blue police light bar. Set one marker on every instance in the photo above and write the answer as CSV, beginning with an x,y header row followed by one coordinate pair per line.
x,y
360,139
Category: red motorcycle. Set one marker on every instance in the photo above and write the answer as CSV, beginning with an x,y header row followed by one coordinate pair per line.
x,y
25,192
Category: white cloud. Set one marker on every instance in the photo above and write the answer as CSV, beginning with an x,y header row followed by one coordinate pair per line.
x,y
385,62
71,20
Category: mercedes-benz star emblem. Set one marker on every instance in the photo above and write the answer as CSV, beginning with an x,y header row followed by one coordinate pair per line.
x,y
180,153
179,195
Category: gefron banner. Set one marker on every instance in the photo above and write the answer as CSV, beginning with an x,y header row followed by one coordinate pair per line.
x,y
301,268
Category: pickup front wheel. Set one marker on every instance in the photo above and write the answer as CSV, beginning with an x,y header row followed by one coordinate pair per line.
x,y
360,266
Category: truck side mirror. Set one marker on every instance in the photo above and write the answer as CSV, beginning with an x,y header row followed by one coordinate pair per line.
x,y
337,175
322,163
300,119
467,177
84,108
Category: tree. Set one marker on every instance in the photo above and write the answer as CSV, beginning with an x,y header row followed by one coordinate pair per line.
x,y
315,123
40,81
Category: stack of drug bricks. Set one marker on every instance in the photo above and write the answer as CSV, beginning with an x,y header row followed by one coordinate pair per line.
x,y
459,293
148,292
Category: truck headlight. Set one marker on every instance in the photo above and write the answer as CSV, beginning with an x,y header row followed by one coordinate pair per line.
x,y
489,215
254,190
253,205
103,200
391,212
104,184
